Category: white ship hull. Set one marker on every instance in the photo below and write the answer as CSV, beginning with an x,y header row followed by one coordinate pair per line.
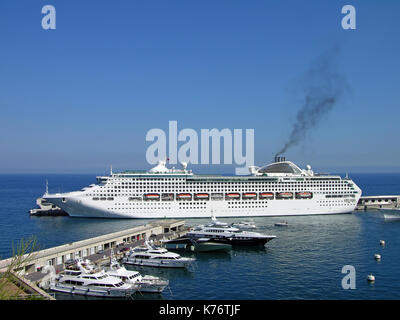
x,y
90,209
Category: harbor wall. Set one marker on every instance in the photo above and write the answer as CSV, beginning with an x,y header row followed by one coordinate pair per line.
x,y
84,248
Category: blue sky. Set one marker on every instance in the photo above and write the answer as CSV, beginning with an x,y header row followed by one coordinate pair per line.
x,y
83,96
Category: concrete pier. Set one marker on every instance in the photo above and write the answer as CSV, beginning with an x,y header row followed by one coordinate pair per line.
x,y
95,246
378,202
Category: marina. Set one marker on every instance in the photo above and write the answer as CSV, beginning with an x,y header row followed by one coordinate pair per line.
x,y
307,246
44,262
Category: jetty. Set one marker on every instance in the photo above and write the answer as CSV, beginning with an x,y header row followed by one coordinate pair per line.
x,y
45,208
42,263
378,202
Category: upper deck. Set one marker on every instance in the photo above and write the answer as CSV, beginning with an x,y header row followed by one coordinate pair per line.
x,y
281,171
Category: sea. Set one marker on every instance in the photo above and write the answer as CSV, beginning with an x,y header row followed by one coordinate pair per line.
x,y
305,261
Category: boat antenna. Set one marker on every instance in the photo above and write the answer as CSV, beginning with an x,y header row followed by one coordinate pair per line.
x,y
213,215
47,187
111,170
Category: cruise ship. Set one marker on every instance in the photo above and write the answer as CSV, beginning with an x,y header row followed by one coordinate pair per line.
x,y
278,189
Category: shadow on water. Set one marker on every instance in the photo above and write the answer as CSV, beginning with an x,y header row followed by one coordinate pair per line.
x,y
68,296
256,248
207,256
166,273
136,296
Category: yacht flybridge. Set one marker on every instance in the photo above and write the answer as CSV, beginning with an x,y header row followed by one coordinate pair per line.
x,y
278,189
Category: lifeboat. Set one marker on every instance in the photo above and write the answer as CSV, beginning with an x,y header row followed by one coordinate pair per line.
x,y
232,196
284,195
249,195
304,195
266,195
151,196
201,196
184,196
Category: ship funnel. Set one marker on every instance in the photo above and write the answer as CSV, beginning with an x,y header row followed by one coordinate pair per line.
x,y
279,159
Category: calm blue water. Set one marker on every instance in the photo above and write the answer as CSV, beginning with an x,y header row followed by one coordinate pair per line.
x,y
304,262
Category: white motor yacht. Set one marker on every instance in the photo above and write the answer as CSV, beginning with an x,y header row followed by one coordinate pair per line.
x,y
157,257
146,283
244,225
84,279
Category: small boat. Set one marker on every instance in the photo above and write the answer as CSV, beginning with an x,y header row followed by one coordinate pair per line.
x,y
393,216
201,196
377,256
184,196
304,195
284,195
371,277
249,195
196,245
151,196
382,242
282,224
244,225
266,195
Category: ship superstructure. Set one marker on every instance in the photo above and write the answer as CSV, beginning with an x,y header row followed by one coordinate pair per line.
x,y
278,189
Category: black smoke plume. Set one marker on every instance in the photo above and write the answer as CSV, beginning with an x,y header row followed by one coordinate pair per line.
x,y
322,88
